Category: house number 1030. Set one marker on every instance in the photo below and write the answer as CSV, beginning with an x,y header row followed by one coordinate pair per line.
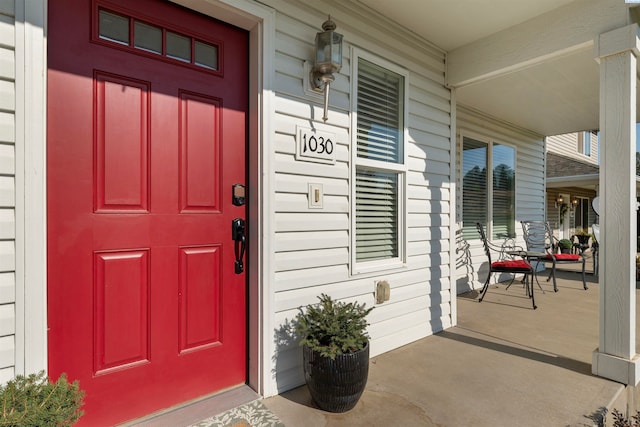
x,y
315,146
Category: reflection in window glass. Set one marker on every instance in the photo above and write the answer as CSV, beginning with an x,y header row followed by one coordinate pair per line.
x,y
206,55
147,37
488,189
474,187
113,27
504,191
178,47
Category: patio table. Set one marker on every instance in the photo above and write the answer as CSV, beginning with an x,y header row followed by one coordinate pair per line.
x,y
531,256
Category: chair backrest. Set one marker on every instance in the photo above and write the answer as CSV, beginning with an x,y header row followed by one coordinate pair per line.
x,y
485,243
537,235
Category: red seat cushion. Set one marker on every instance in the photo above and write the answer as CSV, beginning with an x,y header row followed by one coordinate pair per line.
x,y
565,257
515,264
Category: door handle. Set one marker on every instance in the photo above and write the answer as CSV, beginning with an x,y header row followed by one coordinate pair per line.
x,y
238,235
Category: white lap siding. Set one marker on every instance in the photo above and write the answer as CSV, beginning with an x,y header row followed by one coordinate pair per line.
x,y
530,199
7,192
312,249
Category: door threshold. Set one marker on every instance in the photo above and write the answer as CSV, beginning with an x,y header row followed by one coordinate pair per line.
x,y
188,413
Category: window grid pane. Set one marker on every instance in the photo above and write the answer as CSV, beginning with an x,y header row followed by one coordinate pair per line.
x,y
376,215
178,47
504,191
474,187
147,37
206,55
379,125
113,27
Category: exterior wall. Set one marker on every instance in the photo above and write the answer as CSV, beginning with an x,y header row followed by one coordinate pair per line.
x,y
530,184
567,145
312,247
7,192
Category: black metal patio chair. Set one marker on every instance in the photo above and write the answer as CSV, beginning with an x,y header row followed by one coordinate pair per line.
x,y
506,263
539,237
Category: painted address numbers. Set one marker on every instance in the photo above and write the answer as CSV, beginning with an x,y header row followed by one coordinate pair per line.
x,y
315,146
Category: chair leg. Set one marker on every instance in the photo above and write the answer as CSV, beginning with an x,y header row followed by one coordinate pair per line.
x,y
553,274
584,282
535,276
533,300
485,288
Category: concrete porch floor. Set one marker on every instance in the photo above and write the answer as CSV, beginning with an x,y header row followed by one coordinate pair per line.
x,y
504,364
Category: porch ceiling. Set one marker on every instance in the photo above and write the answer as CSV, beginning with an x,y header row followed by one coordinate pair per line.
x,y
451,24
553,90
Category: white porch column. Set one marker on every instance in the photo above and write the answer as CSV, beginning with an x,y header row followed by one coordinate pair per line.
x,y
616,357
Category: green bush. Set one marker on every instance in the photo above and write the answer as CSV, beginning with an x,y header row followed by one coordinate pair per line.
x,y
333,328
34,401
565,244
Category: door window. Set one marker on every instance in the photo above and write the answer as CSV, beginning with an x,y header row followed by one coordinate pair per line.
x,y
129,33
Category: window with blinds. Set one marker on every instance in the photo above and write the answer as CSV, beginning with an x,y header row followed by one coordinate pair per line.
x,y
379,146
474,187
481,201
504,191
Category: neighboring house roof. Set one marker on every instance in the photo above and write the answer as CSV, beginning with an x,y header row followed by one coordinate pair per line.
x,y
562,166
563,171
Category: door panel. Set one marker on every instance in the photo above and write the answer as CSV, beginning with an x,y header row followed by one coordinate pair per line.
x,y
121,336
122,144
145,308
199,152
199,298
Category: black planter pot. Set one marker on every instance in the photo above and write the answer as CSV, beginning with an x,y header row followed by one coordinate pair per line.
x,y
583,240
336,385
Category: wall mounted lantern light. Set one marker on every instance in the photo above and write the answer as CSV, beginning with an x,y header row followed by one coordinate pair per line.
x,y
559,200
574,202
328,60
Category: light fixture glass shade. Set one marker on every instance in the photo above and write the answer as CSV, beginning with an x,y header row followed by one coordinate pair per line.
x,y
328,60
328,49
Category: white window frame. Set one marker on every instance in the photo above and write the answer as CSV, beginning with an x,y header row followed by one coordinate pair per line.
x,y
584,143
400,261
490,144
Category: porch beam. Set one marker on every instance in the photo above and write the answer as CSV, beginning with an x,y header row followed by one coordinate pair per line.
x,y
557,33
616,357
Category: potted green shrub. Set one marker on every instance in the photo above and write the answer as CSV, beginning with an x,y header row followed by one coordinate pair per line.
x,y
335,349
565,246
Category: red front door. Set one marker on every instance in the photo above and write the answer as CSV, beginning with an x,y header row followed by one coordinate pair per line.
x,y
147,121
